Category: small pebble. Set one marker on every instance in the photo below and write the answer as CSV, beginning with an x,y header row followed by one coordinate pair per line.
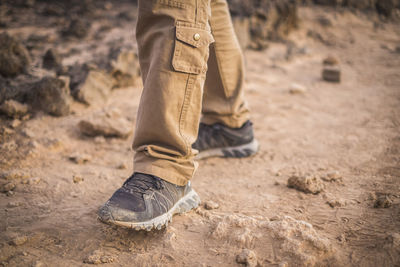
x,y
211,205
122,166
77,179
247,257
333,177
331,74
297,89
79,158
330,61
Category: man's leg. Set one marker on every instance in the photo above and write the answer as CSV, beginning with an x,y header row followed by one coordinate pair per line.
x,y
225,130
223,100
173,40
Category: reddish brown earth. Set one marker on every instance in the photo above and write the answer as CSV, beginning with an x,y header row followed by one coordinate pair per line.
x,y
346,136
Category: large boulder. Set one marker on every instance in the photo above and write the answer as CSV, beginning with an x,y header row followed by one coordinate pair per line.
x,y
52,95
90,85
14,58
269,20
125,69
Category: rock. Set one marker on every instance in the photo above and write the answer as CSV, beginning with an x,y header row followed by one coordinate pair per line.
x,y
52,95
211,205
38,264
53,10
14,204
383,201
397,50
78,28
14,58
385,7
306,184
266,18
328,2
333,177
324,21
33,181
12,175
122,166
79,158
359,4
330,61
18,240
106,124
77,179
15,123
336,203
125,69
331,74
52,60
90,85
97,257
297,89
247,257
8,187
14,109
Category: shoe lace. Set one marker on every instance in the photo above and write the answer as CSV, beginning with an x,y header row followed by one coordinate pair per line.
x,y
142,183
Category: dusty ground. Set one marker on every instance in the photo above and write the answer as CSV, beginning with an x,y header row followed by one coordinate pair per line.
x,y
352,128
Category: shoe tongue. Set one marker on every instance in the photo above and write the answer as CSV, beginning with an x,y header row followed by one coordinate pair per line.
x,y
142,181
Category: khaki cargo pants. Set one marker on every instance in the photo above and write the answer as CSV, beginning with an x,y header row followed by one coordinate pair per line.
x,y
177,41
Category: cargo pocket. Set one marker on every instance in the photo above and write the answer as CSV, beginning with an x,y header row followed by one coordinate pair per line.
x,y
191,49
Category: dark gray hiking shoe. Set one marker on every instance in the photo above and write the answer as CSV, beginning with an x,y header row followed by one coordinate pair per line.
x,y
145,202
218,140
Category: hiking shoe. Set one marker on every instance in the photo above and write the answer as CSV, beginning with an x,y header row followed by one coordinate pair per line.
x,y
218,140
145,202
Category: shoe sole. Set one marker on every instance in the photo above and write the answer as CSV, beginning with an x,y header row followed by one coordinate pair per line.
x,y
188,202
241,151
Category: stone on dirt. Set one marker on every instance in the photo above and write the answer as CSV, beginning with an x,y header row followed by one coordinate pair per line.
x,y
97,257
52,60
90,85
297,89
108,124
307,183
334,203
19,240
52,95
266,21
14,109
10,186
125,69
333,177
331,74
383,201
11,175
330,61
14,57
78,28
79,158
247,257
77,179
211,205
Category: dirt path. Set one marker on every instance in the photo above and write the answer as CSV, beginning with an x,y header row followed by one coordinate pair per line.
x,y
348,130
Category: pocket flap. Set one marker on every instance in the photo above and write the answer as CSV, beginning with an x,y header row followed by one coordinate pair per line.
x,y
194,36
